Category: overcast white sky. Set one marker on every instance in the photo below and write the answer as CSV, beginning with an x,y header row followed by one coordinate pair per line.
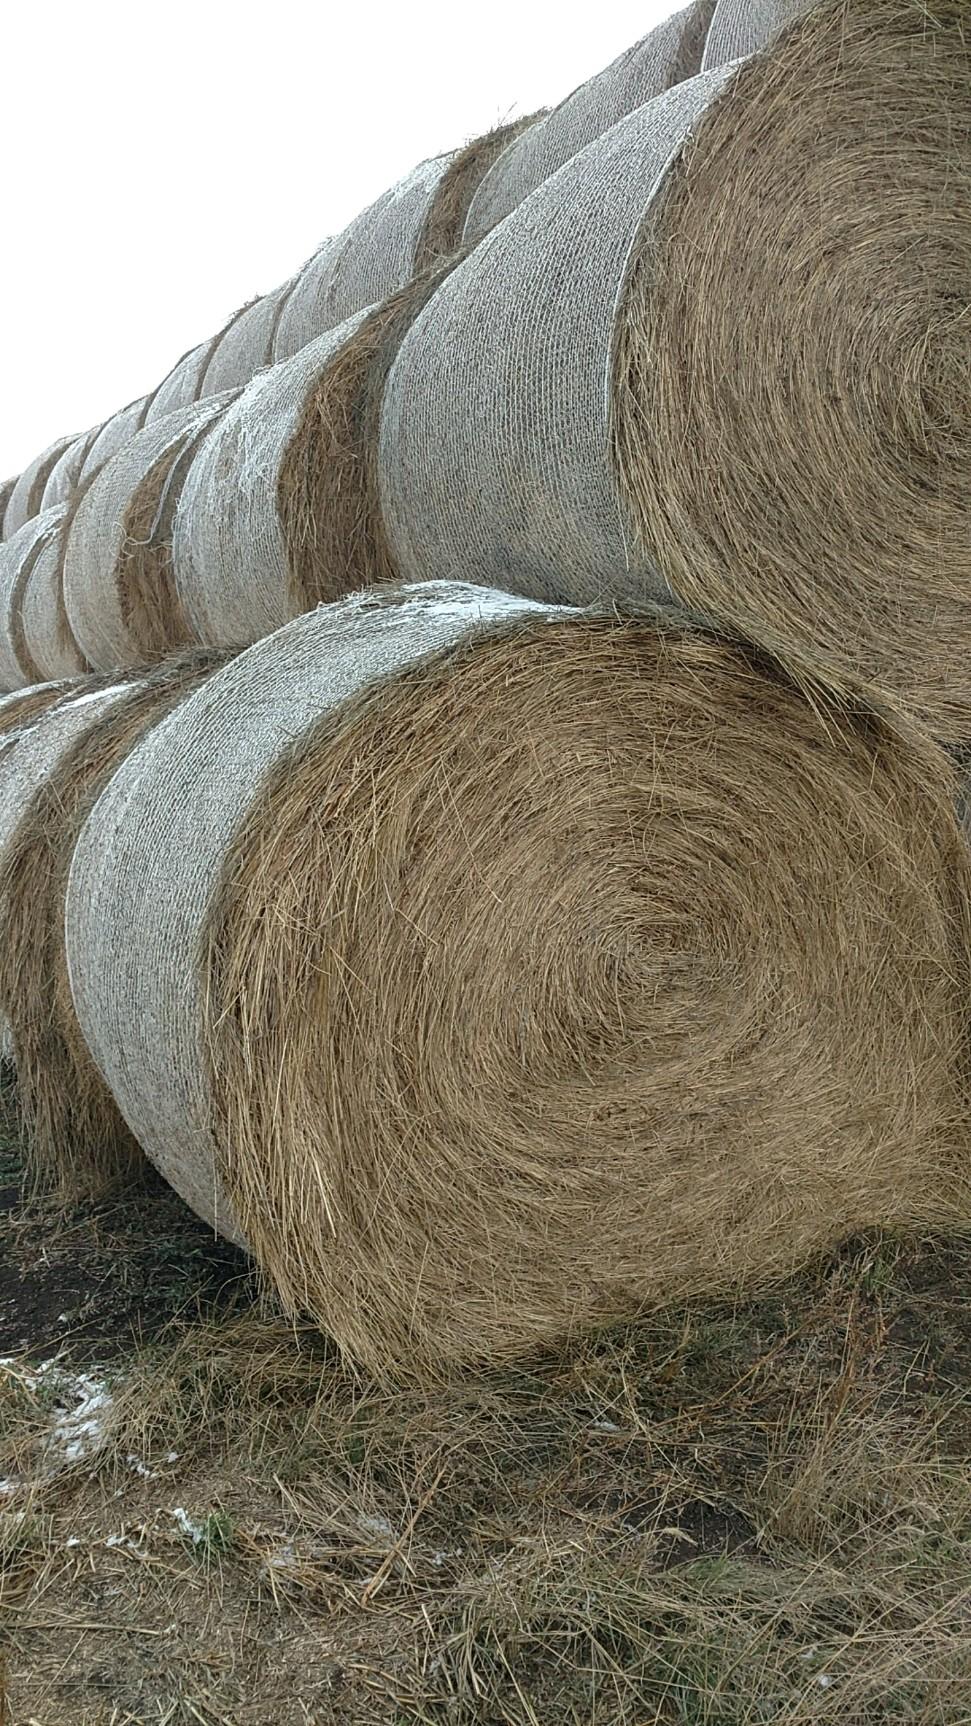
x,y
163,163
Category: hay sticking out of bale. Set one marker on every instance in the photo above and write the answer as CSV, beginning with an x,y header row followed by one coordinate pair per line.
x,y
17,559
24,501
328,487
792,417
374,256
233,564
119,529
18,709
505,1034
441,237
76,1143
666,56
114,434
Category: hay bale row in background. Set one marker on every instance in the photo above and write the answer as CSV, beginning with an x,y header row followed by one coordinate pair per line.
x,y
74,1137
120,600
18,559
27,491
609,1062
653,378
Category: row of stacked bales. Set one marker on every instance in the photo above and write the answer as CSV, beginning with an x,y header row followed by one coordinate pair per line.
x,y
498,955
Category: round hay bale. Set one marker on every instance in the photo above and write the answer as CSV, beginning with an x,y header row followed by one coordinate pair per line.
x,y
487,992
65,475
232,562
665,56
246,345
6,491
654,377
742,27
25,499
17,558
373,257
441,236
327,483
114,434
43,615
75,1140
122,605
23,705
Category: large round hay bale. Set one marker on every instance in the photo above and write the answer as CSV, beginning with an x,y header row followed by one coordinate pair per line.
x,y
441,235
656,376
17,558
6,491
74,1137
65,475
741,27
25,498
181,386
375,255
121,600
114,434
668,54
246,345
423,950
47,634
234,568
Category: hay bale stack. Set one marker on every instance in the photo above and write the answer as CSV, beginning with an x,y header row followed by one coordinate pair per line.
x,y
741,27
75,1140
246,345
457,996
374,256
234,570
667,55
121,600
654,377
18,556
65,475
114,434
25,498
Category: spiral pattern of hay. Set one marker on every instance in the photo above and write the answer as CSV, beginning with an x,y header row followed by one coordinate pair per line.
x,y
25,498
75,1140
122,605
521,968
792,410
234,565
375,255
668,54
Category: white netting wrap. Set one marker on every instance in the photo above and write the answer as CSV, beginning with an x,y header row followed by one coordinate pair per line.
x,y
66,472
98,534
373,257
230,557
666,56
742,27
46,631
25,499
114,434
17,558
151,857
494,433
183,385
247,345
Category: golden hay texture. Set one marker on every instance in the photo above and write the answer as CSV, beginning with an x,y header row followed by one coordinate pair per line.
x,y
585,967
791,399
25,704
151,607
75,1141
328,490
441,236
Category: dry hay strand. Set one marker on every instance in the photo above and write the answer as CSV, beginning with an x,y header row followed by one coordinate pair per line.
x,y
76,1143
555,968
441,237
18,709
328,489
667,55
791,402
27,492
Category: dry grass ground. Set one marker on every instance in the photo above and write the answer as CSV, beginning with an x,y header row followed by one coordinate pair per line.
x,y
725,1516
